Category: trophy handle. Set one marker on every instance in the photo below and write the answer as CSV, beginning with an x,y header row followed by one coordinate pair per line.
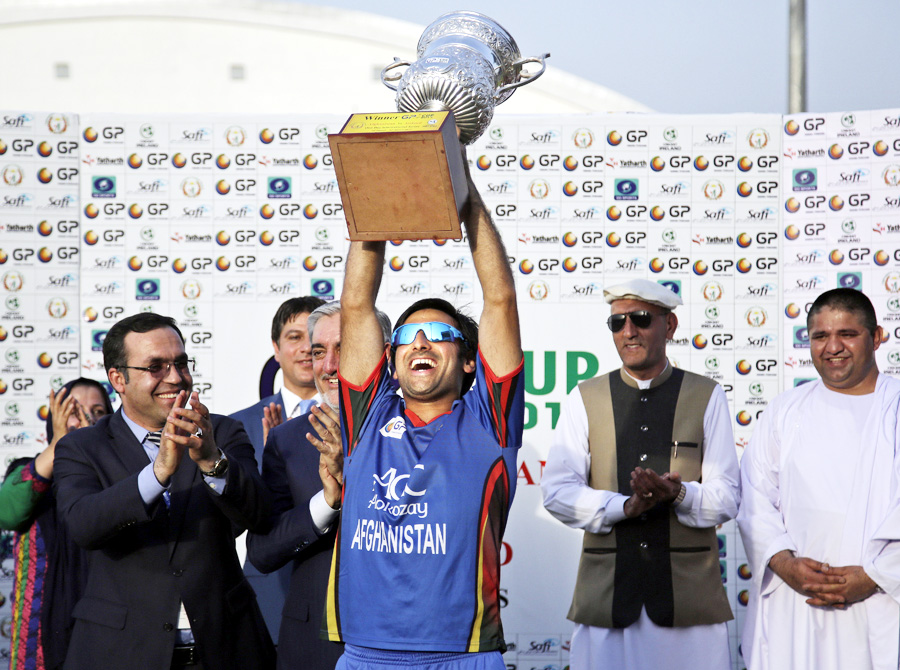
x,y
395,77
526,79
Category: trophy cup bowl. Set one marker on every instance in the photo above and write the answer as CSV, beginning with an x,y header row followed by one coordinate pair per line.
x,y
467,64
402,175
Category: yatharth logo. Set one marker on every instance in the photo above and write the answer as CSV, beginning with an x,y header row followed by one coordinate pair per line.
x,y
394,428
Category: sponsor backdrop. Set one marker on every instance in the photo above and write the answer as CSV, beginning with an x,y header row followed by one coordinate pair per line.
x,y
216,220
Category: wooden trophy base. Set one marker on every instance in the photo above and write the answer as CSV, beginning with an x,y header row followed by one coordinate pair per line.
x,y
401,176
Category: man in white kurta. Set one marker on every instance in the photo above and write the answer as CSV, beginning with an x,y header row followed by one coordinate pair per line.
x,y
819,516
569,497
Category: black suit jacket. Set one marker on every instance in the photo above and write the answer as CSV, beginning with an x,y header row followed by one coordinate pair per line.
x,y
143,562
291,471
271,589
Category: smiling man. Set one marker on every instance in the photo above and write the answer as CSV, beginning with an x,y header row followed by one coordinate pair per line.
x,y
429,476
304,515
820,517
290,342
643,460
155,493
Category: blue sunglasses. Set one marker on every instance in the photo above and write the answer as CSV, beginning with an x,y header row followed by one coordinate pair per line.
x,y
435,331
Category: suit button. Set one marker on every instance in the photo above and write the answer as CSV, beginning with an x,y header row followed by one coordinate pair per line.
x,y
643,398
643,457
178,572
645,428
643,545
168,627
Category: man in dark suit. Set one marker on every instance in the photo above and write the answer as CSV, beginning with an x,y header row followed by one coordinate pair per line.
x,y
290,340
155,493
304,522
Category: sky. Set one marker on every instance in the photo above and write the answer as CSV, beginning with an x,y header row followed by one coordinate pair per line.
x,y
697,56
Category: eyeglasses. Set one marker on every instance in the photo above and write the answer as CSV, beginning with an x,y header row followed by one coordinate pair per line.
x,y
434,331
160,370
641,319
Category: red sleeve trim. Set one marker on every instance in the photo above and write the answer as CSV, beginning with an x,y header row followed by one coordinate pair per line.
x,y
356,401
491,377
500,392
369,380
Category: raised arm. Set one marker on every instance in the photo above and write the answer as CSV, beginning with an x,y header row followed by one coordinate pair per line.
x,y
362,344
499,339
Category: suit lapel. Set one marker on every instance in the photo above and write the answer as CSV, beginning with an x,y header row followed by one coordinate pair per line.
x,y
125,445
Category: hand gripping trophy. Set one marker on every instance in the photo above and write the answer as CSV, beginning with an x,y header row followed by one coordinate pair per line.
x,y
400,174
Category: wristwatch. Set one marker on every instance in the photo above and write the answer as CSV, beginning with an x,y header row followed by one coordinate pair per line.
x,y
218,468
680,496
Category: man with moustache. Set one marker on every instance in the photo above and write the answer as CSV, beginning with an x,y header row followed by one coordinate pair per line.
x,y
648,592
428,476
290,340
155,493
820,515
304,519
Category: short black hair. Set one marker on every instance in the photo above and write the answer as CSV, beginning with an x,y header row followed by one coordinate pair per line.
x,y
144,322
467,326
289,309
846,300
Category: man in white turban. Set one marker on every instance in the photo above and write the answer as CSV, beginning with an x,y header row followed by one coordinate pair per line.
x,y
643,460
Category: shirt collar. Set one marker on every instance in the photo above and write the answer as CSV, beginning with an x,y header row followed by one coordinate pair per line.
x,y
644,384
291,400
139,431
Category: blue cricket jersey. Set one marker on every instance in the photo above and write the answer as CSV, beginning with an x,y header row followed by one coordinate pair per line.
x,y
416,564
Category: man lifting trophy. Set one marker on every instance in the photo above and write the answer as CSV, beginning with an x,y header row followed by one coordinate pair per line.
x,y
467,64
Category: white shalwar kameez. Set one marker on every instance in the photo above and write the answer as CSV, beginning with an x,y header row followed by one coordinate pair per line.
x,y
568,497
820,478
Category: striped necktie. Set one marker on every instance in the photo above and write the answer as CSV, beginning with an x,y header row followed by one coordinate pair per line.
x,y
155,437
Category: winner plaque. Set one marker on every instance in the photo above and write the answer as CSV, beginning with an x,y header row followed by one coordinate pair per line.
x,y
397,179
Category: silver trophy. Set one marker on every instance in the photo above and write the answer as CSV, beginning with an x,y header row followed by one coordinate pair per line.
x,y
467,64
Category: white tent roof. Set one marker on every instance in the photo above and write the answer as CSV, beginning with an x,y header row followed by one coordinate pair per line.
x,y
231,56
